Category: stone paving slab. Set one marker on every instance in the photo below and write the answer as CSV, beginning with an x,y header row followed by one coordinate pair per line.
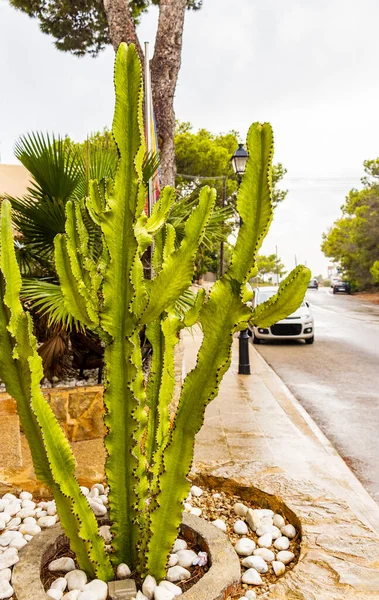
x,y
256,434
10,447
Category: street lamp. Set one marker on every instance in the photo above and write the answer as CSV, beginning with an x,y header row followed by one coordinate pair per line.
x,y
239,160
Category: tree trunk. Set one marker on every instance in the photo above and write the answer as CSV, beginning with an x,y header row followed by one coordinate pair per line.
x,y
165,67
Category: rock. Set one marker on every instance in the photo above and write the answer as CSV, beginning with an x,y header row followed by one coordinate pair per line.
x,y
51,508
196,491
30,521
220,524
76,579
278,521
94,493
252,577
177,573
160,593
28,504
255,562
2,522
54,594
28,537
12,509
149,586
250,595
8,497
7,517
99,509
186,558
97,588
62,565
282,543
264,512
87,595
14,523
6,590
5,574
171,587
84,490
240,527
245,547
98,486
253,519
8,558
2,505
59,584
195,511
263,529
73,595
6,538
26,512
29,529
123,571
179,545
265,553
172,560
47,521
265,541
279,568
285,557
275,533
289,531
26,496
187,507
267,522
240,509
140,596
41,513
18,543
105,532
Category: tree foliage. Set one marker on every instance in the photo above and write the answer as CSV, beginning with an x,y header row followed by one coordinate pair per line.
x,y
270,264
80,26
353,240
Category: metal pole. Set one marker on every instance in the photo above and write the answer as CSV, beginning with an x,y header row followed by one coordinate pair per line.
x,y
223,199
243,340
149,142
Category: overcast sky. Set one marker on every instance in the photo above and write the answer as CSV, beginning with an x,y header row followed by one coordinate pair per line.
x,y
309,67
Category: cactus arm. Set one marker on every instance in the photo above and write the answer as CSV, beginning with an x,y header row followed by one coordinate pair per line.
x,y
253,201
177,270
160,210
155,336
290,295
21,370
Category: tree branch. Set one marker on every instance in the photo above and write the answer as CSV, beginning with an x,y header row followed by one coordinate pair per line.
x,y
121,25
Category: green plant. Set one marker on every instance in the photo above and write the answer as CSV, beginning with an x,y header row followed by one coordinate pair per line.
x,y
149,452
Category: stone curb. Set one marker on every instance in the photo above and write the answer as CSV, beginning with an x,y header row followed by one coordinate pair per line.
x,y
221,579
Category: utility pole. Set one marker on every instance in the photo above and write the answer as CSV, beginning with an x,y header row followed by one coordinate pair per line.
x,y
223,200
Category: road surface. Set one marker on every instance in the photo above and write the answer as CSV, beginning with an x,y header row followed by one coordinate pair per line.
x,y
337,378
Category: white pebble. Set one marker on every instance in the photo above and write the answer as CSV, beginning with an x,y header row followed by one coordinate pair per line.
x,y
264,512
285,557
99,509
275,533
253,519
187,507
105,532
14,523
242,598
98,486
245,547
123,571
26,496
26,512
179,545
220,524
73,595
97,588
282,543
8,558
30,529
161,593
186,558
59,584
51,508
84,490
149,586
240,527
196,491
250,595
64,564
140,596
28,537
2,522
263,529
265,553
171,587
94,493
41,513
217,496
47,521
18,543
279,521
12,509
255,562
10,497
6,538
30,521
5,574
2,505
6,590
76,580
265,541
252,577
28,504
172,560
87,595
177,573
7,517
54,594
289,531
279,568
240,509
195,511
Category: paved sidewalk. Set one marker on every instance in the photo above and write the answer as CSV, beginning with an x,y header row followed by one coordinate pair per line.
x,y
256,431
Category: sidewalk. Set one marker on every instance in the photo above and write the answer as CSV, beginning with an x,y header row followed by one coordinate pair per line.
x,y
256,432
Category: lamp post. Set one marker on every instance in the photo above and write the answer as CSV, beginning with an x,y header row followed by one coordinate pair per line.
x,y
239,160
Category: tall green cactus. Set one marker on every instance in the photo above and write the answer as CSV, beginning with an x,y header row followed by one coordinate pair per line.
x,y
149,451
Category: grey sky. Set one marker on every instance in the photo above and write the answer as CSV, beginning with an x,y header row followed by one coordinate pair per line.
x,y
309,67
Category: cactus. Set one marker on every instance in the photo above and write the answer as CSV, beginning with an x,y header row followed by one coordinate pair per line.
x,y
149,451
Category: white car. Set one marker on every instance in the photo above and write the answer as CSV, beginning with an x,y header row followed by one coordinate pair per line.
x,y
298,326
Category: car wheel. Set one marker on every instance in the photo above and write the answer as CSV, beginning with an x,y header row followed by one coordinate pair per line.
x,y
310,340
334,291
256,340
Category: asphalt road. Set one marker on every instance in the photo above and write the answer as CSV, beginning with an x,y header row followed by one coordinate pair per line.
x,y
337,378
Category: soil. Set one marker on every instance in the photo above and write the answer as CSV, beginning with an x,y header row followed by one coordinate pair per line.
x,y
214,504
368,297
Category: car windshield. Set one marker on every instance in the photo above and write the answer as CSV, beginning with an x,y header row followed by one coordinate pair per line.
x,y
264,295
